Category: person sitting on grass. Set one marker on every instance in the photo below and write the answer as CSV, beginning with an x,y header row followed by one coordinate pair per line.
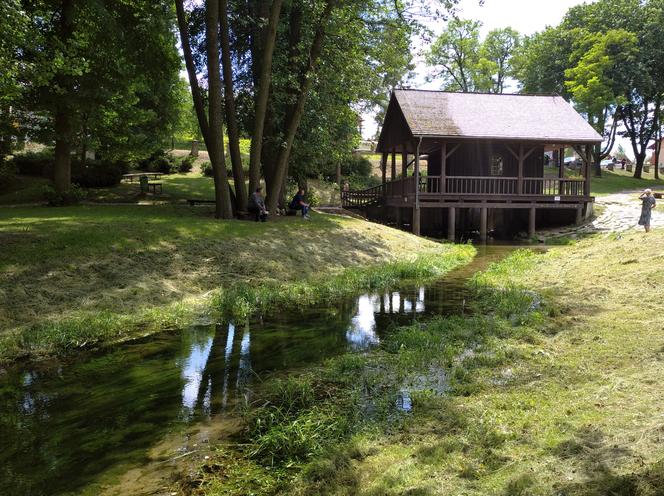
x,y
256,205
297,203
648,203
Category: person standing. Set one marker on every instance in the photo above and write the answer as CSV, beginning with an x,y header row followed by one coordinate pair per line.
x,y
256,205
648,203
622,163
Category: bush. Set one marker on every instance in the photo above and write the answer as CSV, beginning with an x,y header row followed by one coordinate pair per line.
x,y
159,161
34,164
313,197
356,165
98,173
186,164
71,197
362,182
206,169
7,174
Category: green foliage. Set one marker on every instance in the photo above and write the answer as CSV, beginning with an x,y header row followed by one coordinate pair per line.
x,y
465,63
206,169
7,174
98,173
34,163
70,197
186,164
356,165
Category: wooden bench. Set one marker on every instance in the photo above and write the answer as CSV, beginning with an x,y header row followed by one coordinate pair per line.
x,y
154,186
131,177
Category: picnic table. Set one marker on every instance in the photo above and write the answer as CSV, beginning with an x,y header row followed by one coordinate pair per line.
x,y
149,175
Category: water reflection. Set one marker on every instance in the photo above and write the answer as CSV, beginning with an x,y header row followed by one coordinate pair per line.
x,y
62,426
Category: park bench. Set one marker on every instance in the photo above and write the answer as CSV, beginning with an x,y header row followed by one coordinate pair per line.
x,y
149,175
154,185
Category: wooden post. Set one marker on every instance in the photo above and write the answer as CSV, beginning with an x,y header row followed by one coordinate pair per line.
x,y
586,183
404,163
383,167
451,227
443,168
397,214
483,224
394,165
579,215
416,210
520,171
561,163
531,222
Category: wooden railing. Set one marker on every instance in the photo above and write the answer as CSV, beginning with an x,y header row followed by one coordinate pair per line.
x,y
465,185
371,196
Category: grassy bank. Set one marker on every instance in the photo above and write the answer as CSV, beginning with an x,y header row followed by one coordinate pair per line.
x,y
551,387
620,180
83,276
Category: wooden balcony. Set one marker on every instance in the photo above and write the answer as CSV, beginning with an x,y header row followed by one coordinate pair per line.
x,y
472,189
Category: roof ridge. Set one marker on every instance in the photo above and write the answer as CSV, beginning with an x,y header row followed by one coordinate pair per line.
x,y
477,92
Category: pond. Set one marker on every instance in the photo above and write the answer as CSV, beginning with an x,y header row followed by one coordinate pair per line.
x,y
65,425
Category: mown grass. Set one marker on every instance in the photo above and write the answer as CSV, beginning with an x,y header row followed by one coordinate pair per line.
x,y
620,180
85,276
552,386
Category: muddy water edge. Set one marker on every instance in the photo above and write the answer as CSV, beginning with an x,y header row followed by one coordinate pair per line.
x,y
128,416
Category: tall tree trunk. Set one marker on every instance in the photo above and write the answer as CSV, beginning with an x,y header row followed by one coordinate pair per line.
x,y
658,150
306,81
62,166
216,128
62,115
229,107
262,94
196,95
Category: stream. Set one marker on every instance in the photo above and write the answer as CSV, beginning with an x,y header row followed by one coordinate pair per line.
x,y
66,425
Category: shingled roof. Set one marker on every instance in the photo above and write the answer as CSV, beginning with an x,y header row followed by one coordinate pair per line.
x,y
493,116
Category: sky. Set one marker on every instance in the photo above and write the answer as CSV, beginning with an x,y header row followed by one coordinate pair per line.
x,y
526,16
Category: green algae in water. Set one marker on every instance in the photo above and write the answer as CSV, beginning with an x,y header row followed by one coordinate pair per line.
x,y
65,426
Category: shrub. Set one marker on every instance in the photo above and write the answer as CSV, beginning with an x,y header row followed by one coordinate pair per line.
x,y
356,165
313,197
98,173
186,164
7,174
34,164
71,197
206,169
159,161
362,182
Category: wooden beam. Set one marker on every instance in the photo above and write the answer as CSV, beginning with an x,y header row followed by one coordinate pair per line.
x,y
531,222
394,165
404,163
452,150
443,168
589,158
520,171
529,152
579,215
383,167
483,224
451,227
516,155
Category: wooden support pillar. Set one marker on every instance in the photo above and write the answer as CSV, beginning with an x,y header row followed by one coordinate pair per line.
x,y
404,163
531,222
579,215
451,224
588,160
519,186
443,168
416,209
483,224
394,166
561,163
397,215
383,167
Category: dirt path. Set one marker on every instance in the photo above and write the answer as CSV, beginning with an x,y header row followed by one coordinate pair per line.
x,y
617,213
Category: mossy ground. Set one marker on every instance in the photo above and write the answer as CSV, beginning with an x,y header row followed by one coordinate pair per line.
x,y
552,387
